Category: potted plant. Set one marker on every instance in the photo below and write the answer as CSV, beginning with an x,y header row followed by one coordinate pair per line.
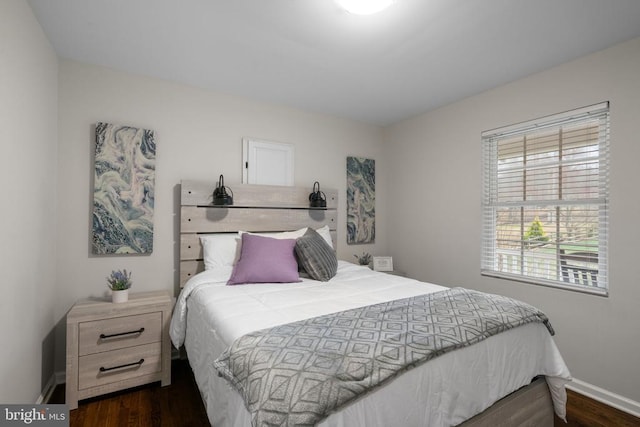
x,y
364,259
119,282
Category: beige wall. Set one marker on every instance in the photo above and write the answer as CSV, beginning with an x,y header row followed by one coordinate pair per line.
x,y
199,136
28,134
435,190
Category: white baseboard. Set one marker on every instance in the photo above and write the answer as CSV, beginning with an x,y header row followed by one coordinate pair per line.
x,y
56,379
49,387
601,395
61,377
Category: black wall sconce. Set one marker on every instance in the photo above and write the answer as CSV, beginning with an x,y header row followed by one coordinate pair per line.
x,y
221,196
317,199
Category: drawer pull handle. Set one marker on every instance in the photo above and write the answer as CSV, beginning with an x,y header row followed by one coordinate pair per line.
x,y
139,362
104,337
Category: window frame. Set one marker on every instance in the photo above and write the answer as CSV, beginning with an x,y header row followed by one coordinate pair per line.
x,y
491,193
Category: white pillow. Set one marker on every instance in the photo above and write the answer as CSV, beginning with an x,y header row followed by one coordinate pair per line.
x,y
223,249
326,235
274,235
220,250
279,235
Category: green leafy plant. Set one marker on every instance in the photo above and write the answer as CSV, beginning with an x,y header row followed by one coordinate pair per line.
x,y
364,259
119,280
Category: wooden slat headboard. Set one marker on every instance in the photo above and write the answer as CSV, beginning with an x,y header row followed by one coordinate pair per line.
x,y
256,208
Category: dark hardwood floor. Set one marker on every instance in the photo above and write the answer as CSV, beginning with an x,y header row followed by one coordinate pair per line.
x,y
585,412
180,405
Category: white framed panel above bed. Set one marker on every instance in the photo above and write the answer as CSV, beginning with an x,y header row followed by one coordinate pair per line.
x,y
256,208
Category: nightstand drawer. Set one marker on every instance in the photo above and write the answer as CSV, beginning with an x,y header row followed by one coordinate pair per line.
x,y
119,332
117,365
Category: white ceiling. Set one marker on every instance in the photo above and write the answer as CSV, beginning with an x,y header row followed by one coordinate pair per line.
x,y
309,54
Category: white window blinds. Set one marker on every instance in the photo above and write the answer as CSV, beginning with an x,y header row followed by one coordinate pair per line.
x,y
545,200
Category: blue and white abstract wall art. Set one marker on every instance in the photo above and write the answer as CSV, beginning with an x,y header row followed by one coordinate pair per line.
x,y
123,195
361,200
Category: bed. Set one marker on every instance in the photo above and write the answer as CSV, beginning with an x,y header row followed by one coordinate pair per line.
x,y
515,377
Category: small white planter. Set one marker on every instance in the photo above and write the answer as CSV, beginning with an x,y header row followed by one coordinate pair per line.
x,y
120,296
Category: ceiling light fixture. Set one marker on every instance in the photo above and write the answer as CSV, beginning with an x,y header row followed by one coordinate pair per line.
x,y
364,7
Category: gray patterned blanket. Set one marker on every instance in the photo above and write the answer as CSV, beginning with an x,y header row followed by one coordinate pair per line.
x,y
297,374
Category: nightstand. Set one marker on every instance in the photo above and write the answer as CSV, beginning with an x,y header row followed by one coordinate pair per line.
x,y
111,346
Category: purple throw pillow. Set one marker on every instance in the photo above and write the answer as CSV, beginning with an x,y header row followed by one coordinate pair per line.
x,y
265,260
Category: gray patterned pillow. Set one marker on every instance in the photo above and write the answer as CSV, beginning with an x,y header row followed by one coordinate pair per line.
x,y
316,256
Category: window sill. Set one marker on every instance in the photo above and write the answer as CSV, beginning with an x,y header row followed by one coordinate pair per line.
x,y
548,283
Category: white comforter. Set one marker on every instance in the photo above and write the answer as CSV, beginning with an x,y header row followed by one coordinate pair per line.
x,y
209,316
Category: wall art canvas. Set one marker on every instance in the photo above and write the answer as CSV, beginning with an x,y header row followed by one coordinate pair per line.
x,y
123,195
361,200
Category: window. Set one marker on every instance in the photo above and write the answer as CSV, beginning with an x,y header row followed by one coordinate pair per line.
x,y
545,200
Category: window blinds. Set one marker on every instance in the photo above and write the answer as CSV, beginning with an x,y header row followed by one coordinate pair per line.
x,y
545,200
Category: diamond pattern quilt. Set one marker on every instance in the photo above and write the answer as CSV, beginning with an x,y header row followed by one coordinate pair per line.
x,y
298,373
